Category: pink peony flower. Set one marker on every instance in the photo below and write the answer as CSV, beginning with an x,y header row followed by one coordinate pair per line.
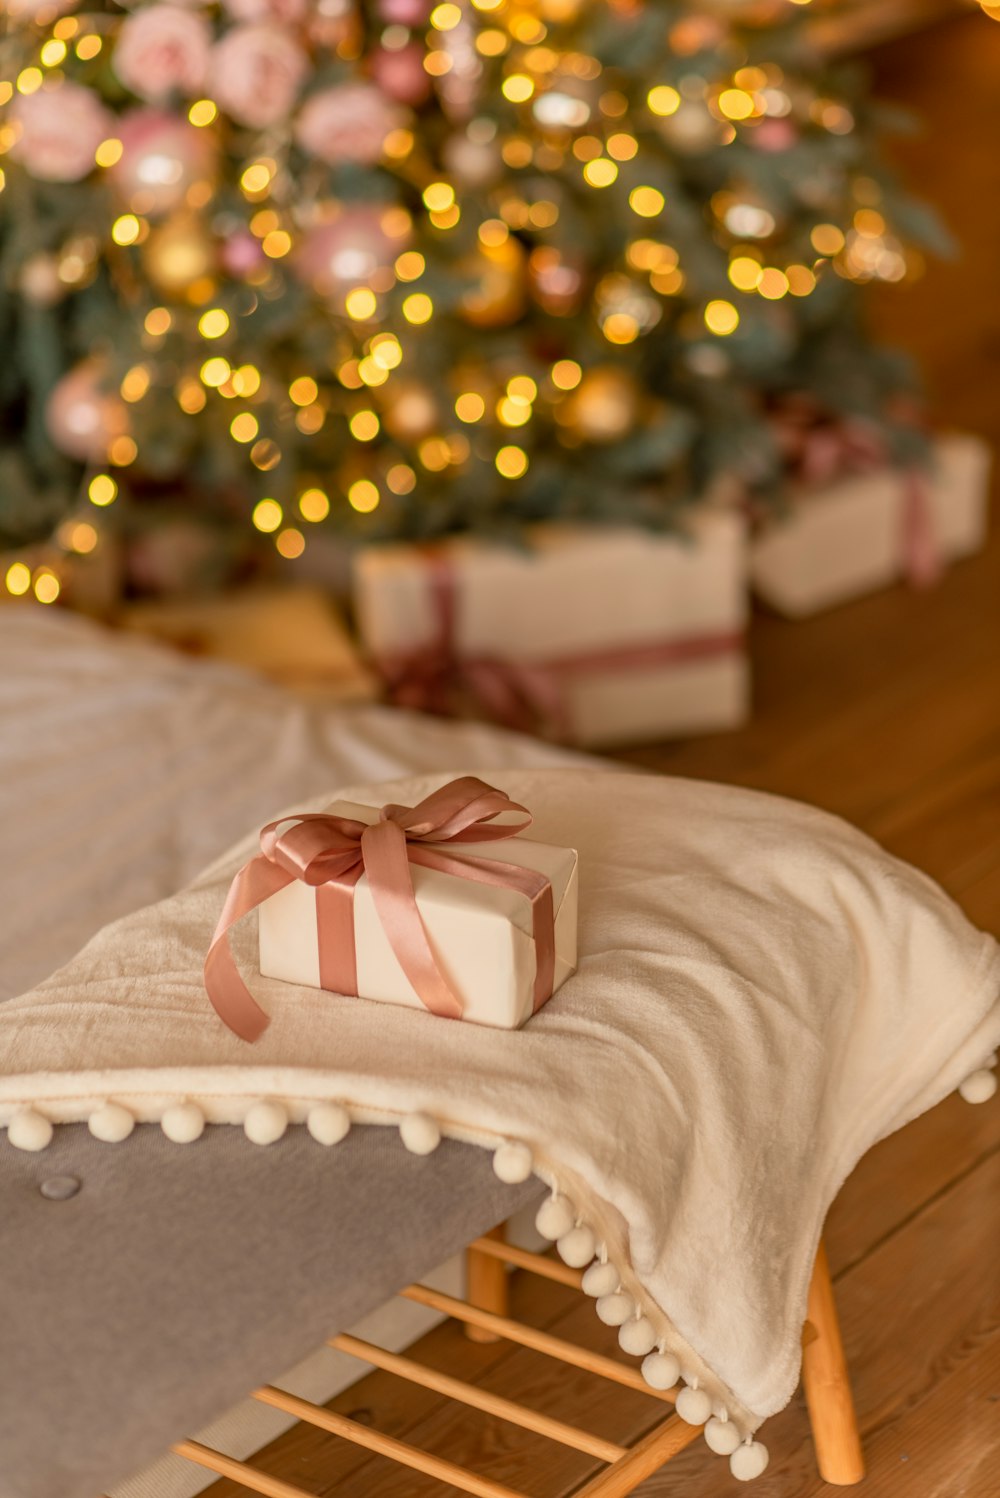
x,y
348,122
288,11
258,72
61,129
162,49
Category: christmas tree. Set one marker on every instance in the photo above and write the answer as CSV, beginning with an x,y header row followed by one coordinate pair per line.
x,y
401,269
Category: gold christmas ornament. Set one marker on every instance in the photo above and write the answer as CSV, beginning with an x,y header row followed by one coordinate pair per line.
x,y
498,294
410,411
177,253
605,405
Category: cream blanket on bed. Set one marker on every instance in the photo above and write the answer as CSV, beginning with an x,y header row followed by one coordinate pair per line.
x,y
762,994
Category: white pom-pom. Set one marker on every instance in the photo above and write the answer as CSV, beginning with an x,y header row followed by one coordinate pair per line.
x,y
600,1279
555,1217
328,1123
979,1086
721,1436
661,1370
265,1123
112,1123
512,1163
420,1134
615,1310
28,1130
183,1123
637,1336
577,1247
748,1461
693,1405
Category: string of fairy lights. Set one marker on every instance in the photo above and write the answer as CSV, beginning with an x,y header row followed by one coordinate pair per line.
x,y
199,244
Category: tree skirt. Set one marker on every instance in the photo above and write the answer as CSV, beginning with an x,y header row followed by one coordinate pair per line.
x,y
762,993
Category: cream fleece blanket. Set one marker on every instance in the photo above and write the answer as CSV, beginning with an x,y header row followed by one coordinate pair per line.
x,y
762,994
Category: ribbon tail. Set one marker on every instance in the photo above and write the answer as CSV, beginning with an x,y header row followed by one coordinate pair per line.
x,y
387,864
231,999
921,554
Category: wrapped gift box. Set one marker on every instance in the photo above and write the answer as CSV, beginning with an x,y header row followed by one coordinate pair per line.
x,y
294,635
848,537
625,634
481,934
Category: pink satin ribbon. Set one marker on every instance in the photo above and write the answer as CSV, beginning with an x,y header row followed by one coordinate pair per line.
x,y
818,449
524,695
331,853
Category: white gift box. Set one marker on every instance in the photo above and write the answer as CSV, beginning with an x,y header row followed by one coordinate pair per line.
x,y
845,538
640,632
480,934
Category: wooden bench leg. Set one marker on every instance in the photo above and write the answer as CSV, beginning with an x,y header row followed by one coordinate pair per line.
x,y
828,1389
486,1287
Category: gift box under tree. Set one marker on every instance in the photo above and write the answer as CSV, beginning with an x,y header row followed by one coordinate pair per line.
x,y
588,634
871,523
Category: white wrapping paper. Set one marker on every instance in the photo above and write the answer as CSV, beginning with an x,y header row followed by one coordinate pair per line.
x,y
845,539
582,591
481,934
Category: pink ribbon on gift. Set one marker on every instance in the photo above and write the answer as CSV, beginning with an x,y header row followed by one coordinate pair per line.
x,y
331,853
529,696
818,448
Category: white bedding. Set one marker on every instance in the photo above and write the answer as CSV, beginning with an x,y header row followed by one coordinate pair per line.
x,y
125,768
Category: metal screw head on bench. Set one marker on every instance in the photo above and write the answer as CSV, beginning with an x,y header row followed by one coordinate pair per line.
x,y
60,1188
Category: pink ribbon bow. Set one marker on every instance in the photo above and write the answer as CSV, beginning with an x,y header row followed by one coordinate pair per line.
x,y
332,852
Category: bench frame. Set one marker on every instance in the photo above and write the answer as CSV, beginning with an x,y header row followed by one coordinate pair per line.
x,y
485,1315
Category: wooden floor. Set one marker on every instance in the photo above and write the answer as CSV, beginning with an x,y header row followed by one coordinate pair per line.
x,y
888,712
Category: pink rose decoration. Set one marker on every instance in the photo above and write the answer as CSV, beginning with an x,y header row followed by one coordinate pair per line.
x,y
348,122
163,49
61,129
289,11
259,71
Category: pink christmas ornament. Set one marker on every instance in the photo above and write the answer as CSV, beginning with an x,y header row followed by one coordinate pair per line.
x,y
400,73
161,50
290,12
39,281
346,251
61,129
242,255
348,122
773,135
404,12
476,163
81,416
258,71
162,155
39,11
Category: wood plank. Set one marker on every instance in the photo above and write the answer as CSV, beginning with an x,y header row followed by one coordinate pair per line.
x,y
904,1173
948,1444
